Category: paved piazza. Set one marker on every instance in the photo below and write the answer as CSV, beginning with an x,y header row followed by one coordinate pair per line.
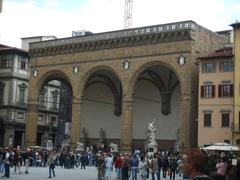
x,y
39,173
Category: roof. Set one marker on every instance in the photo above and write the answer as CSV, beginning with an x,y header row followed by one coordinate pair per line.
x,y
224,52
7,49
51,36
235,25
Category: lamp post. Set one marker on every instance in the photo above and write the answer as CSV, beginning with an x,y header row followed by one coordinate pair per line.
x,y
50,141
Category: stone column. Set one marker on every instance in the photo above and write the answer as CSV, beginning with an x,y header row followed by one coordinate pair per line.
x,y
126,139
75,124
185,121
31,123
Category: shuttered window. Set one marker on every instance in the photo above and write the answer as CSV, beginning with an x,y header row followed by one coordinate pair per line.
x,y
225,90
208,91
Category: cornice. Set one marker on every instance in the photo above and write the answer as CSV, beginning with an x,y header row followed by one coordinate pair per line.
x,y
136,40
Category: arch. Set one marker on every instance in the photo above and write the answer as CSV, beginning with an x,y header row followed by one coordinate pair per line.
x,y
116,91
90,72
53,75
142,68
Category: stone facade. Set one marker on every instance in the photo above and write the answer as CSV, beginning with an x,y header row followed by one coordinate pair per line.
x,y
144,48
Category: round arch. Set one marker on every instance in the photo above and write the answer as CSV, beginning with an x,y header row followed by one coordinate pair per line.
x,y
53,75
136,74
90,72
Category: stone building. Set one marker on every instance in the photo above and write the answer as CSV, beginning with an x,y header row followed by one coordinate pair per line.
x,y
121,80
14,77
14,87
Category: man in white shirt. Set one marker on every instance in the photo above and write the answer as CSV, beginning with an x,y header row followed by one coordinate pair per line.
x,y
7,163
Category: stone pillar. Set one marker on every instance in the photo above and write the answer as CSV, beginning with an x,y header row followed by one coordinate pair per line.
x,y
31,123
185,121
126,138
75,124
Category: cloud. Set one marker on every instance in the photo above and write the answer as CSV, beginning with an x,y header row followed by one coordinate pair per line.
x,y
27,18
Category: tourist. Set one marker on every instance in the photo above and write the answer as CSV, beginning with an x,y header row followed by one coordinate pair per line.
x,y
193,165
51,163
118,167
143,168
101,166
7,163
221,167
173,167
134,166
108,166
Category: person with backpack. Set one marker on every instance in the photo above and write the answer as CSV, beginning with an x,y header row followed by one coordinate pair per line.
x,y
51,163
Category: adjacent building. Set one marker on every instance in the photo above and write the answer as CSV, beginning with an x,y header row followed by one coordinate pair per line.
x,y
14,87
215,105
236,49
14,77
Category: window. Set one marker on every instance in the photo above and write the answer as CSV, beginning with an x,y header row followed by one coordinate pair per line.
x,y
22,62
6,61
225,90
42,98
207,120
208,67
40,117
225,120
2,92
21,94
227,141
54,99
226,66
208,91
20,115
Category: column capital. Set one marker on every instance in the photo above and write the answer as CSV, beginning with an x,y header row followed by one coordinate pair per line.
x,y
77,100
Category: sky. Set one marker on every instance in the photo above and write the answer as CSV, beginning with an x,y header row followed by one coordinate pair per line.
x,y
27,18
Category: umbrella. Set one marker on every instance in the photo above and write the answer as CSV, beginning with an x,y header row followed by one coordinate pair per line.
x,y
221,147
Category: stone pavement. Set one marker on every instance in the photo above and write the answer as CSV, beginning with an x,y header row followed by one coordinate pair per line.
x,y
41,173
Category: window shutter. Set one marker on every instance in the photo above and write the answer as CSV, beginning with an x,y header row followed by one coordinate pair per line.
x,y
219,90
213,91
202,91
231,90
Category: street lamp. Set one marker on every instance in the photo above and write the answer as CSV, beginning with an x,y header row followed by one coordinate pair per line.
x,y
50,141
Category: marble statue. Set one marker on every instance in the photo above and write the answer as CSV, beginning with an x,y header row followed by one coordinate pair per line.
x,y
151,132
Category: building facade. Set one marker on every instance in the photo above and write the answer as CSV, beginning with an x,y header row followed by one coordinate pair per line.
x,y
14,87
236,124
14,77
122,80
215,103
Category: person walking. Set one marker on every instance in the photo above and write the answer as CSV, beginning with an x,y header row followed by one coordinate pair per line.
x,y
7,163
51,163
173,167
143,168
118,167
108,166
100,166
134,167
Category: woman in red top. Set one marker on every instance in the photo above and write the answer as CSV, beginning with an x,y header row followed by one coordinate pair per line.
x,y
118,167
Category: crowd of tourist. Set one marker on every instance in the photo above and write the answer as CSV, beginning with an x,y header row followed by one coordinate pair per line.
x,y
137,165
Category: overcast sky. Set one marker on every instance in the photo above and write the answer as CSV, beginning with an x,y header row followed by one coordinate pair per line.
x,y
26,18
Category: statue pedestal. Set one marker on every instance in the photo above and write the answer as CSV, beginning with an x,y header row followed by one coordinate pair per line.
x,y
151,148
